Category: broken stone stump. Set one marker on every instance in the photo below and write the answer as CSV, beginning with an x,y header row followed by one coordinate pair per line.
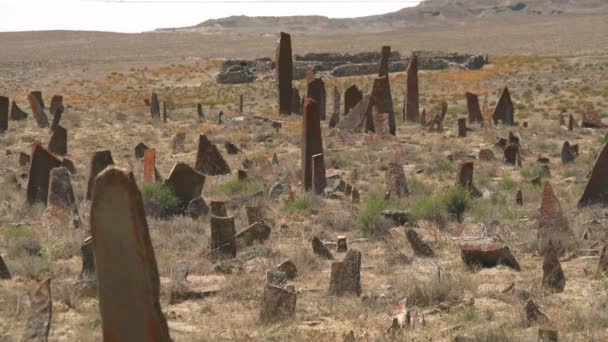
x,y
223,241
276,277
553,224
553,275
289,268
139,150
342,244
57,113
511,154
488,257
231,148
396,183
39,323
127,274
319,249
179,143
56,102
346,275
16,112
568,154
465,178
255,213
257,232
278,304
278,189
242,175
419,247
519,197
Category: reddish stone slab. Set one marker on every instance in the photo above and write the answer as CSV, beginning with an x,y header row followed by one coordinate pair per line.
x,y
596,190
284,66
312,142
42,163
37,94
256,232
412,109
149,165
57,113
473,108
382,98
396,183
553,224
352,96
419,247
504,111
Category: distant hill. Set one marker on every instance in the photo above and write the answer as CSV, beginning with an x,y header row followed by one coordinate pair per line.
x,y
427,13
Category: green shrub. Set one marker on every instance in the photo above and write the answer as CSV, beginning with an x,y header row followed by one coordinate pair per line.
x,y
238,187
370,221
304,203
436,206
159,200
506,183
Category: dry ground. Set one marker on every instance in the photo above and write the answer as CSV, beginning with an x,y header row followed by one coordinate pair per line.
x,y
105,111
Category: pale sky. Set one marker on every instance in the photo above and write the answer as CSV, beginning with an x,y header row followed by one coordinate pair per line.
x,y
146,15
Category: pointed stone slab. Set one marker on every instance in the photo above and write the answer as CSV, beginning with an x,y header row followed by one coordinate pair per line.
x,y
352,96
223,241
3,113
61,193
149,165
40,169
554,279
312,142
381,97
39,323
127,273
359,117
419,247
284,67
346,275
278,304
56,102
186,182
4,272
37,94
384,61
139,150
504,111
316,91
99,161
57,113
412,109
209,160
295,101
154,106
473,108
16,112
257,232
488,257
552,224
59,141
41,118
596,190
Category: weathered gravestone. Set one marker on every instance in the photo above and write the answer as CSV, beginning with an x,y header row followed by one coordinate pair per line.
x,y
591,118
346,275
37,94
596,190
319,248
186,182
384,61
127,275
61,194
411,111
4,272
316,91
39,323
197,208
504,111
209,160
553,275
462,127
41,119
318,174
519,197
359,118
87,273
139,150
396,183
256,232
552,224
3,113
17,113
571,123
278,304
154,106
380,121
165,111
548,334
289,268
241,104
511,154
149,165
199,112
218,208
56,102
255,213
534,315
222,241
352,96
295,101
231,148
284,65
99,161
57,113
381,97
473,108
419,247
488,257
179,143
568,153
40,169
59,141
465,178
312,142
335,116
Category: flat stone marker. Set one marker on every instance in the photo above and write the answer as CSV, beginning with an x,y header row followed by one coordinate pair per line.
x,y
127,275
59,141
488,257
4,272
257,232
197,208
16,112
553,224
346,275
412,109
154,106
419,247
61,194
504,111
278,304
596,190
284,73
3,113
149,165
553,275
39,323
209,160
352,96
99,161
473,108
40,169
222,241
312,141
41,118
186,182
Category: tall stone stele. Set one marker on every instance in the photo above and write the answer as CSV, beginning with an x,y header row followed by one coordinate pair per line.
x,y
312,142
284,65
412,109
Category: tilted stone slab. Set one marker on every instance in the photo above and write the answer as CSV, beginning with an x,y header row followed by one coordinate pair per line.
x,y
473,108
154,106
554,279
37,94
488,257
209,160
4,272
596,190
39,323
139,150
284,67
359,117
419,247
553,224
127,274
312,140
41,118
257,232
42,163
57,113
319,248
56,102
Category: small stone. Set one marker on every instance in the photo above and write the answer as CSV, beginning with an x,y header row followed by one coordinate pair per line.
x,y
289,268
533,314
420,247
488,256
276,277
278,189
231,148
342,244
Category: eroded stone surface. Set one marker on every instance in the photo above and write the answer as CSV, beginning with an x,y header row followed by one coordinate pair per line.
x,y
473,108
553,275
209,160
346,275
278,304
61,194
99,161
312,142
396,183
352,96
488,256
222,241
412,109
39,323
419,247
186,182
40,169
319,248
553,224
59,141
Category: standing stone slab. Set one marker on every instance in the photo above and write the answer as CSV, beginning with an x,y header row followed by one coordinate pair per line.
x,y
209,160
465,178
596,190
412,109
284,73
59,141
87,272
462,127
312,142
381,97
384,61
40,169
149,165
154,106
352,96
511,154
418,245
41,119
278,304
57,113
56,102
199,112
396,183
554,279
335,116
318,174
223,241
39,323
61,194
127,275
256,232
218,208
37,94
186,182
17,113
179,143
488,257
295,101
602,265
3,113
568,153
319,248
99,161
316,91
571,123
4,272
504,111
165,111
346,275
552,224
473,108
139,150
